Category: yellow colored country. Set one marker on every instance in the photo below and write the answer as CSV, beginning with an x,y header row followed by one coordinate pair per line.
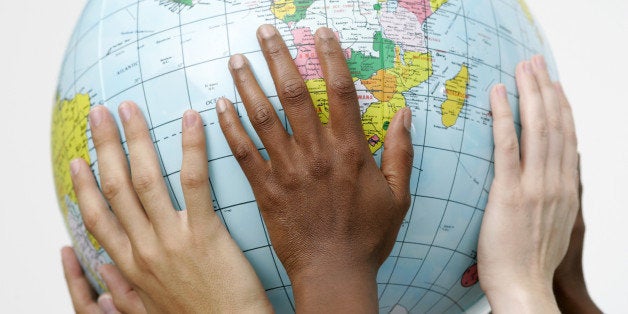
x,y
281,8
526,11
387,86
416,69
528,14
456,90
435,4
376,119
69,141
318,92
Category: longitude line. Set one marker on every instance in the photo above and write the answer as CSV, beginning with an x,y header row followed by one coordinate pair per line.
x,y
499,50
259,212
457,164
416,191
150,121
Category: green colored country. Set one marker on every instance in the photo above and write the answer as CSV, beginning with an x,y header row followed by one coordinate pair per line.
x,y
364,66
186,2
301,7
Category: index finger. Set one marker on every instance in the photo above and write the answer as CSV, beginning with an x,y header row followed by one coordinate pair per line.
x,y
291,89
344,109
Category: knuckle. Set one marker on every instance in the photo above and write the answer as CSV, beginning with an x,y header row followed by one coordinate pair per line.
x,y
193,179
294,90
541,130
273,51
343,87
242,152
192,145
134,135
330,48
91,219
228,125
290,177
406,201
143,182
509,146
272,196
351,154
320,167
102,139
111,188
173,246
145,256
555,124
552,192
262,116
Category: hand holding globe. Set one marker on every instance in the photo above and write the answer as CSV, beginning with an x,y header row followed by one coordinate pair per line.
x,y
429,257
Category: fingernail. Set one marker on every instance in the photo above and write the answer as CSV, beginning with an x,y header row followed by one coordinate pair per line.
x,y
189,119
105,303
75,166
407,119
125,111
325,33
266,31
501,90
236,62
221,105
527,67
95,116
539,62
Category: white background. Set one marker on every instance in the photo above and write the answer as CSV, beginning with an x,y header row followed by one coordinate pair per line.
x,y
590,42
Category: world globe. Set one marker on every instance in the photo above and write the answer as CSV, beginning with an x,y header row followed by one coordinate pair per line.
x,y
438,57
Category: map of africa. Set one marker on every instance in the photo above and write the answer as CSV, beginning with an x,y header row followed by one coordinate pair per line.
x,y
438,57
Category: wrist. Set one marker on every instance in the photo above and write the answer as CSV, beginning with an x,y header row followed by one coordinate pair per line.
x,y
522,297
329,289
573,297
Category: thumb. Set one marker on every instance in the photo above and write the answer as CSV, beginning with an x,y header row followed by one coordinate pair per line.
x,y
398,156
125,298
105,303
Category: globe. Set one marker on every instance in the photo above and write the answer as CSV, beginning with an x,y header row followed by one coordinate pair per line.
x,y
438,57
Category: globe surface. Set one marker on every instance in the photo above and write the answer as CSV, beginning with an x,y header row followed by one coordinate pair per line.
x,y
438,57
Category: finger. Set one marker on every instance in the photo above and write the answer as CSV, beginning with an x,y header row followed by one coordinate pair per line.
x,y
81,292
398,156
146,175
553,117
114,173
290,87
125,298
105,303
570,150
239,141
344,109
507,166
97,217
194,171
534,131
260,111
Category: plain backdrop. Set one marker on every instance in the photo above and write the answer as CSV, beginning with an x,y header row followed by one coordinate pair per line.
x,y
590,43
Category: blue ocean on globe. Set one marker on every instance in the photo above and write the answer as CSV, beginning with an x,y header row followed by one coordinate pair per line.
x,y
438,57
